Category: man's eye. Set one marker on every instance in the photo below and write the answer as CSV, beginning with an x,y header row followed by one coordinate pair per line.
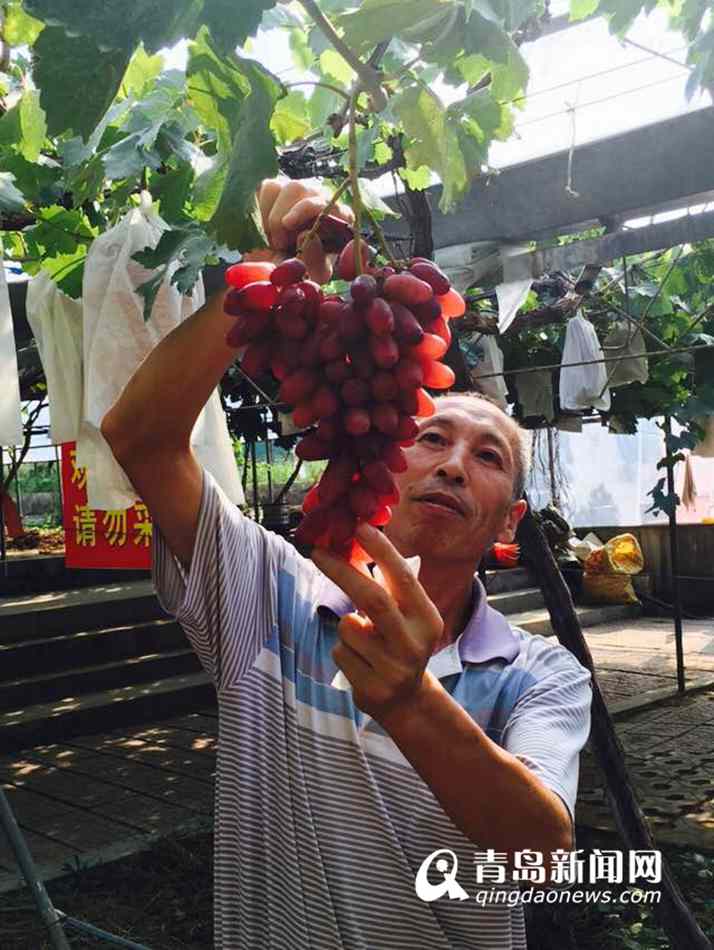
x,y
488,456
431,437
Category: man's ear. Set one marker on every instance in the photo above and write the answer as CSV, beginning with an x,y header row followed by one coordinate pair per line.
x,y
508,530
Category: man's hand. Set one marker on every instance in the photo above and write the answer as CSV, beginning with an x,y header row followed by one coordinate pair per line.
x,y
286,208
385,652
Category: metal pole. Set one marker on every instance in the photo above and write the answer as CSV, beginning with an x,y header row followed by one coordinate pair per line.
x,y
255,481
554,495
674,557
58,470
3,552
269,460
50,917
101,935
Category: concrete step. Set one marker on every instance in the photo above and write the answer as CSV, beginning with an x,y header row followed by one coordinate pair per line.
x,y
65,687
37,616
508,579
538,621
103,711
517,601
90,647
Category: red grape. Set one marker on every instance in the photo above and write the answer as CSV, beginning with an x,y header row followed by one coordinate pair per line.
x,y
431,347
345,269
338,371
406,326
336,479
311,501
407,428
384,350
294,328
292,301
324,402
329,429
289,272
297,386
440,327
330,311
342,525
385,418
361,362
331,347
378,475
452,304
381,516
363,290
409,374
407,289
351,323
427,312
312,449
384,386
430,273
438,375
260,295
256,358
379,317
238,275
364,501
357,421
425,404
304,415
312,526
313,297
355,392
395,459
237,335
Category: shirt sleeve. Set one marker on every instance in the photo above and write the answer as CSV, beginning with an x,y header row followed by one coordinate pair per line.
x,y
550,724
227,602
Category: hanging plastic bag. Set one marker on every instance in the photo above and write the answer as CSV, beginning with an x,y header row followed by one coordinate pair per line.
x,y
583,386
116,339
484,358
56,323
626,341
535,394
517,280
10,416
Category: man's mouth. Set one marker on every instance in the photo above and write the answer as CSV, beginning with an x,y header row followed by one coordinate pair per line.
x,y
443,500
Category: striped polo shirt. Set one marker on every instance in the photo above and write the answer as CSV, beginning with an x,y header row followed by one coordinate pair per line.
x,y
321,824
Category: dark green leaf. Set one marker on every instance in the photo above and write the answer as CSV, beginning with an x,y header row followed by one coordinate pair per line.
x,y
143,70
150,289
11,200
236,220
217,88
378,20
189,247
172,190
232,23
122,26
66,64
40,184
129,157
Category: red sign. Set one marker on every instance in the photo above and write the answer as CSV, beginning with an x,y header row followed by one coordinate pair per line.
x,y
100,539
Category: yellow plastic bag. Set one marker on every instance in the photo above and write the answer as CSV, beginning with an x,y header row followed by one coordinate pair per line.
x,y
621,555
608,571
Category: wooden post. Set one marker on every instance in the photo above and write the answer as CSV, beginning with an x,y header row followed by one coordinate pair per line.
x,y
671,911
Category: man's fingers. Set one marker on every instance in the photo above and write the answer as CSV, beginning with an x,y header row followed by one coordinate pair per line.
x,y
282,236
319,267
364,592
267,196
402,584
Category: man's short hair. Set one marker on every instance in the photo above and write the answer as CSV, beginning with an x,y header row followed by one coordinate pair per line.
x,y
519,442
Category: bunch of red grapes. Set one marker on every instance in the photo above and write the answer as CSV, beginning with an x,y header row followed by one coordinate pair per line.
x,y
353,368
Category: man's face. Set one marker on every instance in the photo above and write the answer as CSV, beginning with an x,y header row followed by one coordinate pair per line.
x,y
466,454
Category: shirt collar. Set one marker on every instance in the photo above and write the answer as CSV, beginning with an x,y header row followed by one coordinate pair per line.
x,y
486,636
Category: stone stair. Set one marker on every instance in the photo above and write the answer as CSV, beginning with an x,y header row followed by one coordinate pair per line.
x,y
92,659
89,660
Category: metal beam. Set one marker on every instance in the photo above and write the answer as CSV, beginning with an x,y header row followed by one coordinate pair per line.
x,y
666,164
600,251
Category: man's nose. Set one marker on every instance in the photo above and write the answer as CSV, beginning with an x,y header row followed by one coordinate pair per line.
x,y
453,468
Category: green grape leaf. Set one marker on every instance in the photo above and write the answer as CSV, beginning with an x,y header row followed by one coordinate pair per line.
x,y
143,70
433,141
19,28
417,178
23,127
236,222
128,158
510,79
378,20
217,88
11,200
290,119
232,23
189,247
65,64
122,26
303,55
172,190
39,183
87,182
335,67
208,188
579,9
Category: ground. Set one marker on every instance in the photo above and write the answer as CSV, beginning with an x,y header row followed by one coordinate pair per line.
x,y
162,898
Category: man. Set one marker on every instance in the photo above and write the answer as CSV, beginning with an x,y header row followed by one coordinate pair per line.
x,y
458,734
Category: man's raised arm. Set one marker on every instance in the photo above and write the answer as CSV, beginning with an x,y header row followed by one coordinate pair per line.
x,y
149,427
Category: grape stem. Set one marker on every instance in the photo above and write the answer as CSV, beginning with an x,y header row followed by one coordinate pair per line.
x,y
323,85
380,237
326,210
354,186
368,75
